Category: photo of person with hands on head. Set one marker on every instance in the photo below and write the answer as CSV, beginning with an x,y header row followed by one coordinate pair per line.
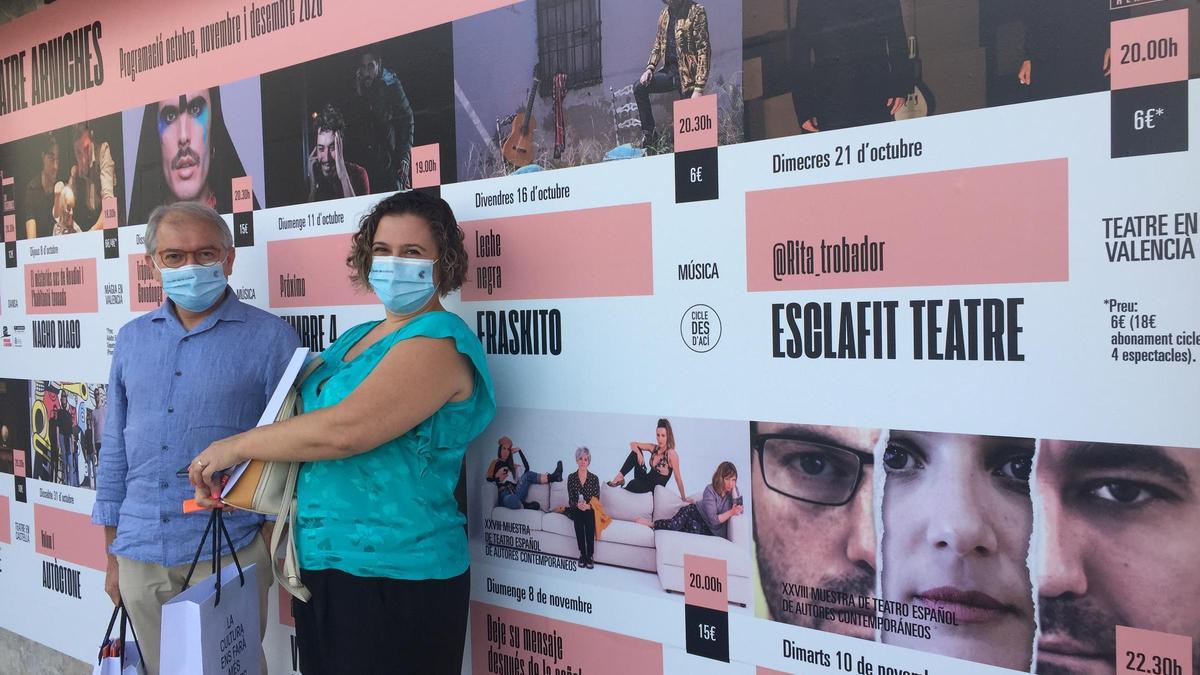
x,y
330,174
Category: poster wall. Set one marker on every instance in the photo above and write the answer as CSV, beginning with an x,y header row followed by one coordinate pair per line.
x,y
874,320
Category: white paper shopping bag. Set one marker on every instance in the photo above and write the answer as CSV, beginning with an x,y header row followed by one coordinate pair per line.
x,y
202,635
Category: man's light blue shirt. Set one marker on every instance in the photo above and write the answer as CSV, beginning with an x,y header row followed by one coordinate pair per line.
x,y
171,393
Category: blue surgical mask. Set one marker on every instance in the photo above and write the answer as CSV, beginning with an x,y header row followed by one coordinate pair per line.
x,y
404,285
194,287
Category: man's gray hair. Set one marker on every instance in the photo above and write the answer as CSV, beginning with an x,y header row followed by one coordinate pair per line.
x,y
189,211
582,452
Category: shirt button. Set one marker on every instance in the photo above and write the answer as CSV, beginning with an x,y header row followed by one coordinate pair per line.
x,y
178,373
164,447
171,409
164,484
165,519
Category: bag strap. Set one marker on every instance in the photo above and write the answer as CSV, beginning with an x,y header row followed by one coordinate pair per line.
x,y
133,632
112,621
216,525
289,575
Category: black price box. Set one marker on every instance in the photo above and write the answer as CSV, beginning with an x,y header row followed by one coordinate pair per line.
x,y
1150,120
20,490
111,244
696,178
10,254
707,632
243,229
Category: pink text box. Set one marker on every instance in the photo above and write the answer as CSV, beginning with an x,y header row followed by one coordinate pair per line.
x,y
1152,644
768,671
986,225
590,253
69,536
67,287
312,272
19,463
1150,49
10,227
426,165
587,650
108,208
696,123
145,292
243,194
5,521
706,582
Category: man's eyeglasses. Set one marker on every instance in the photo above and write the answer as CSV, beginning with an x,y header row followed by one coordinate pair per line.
x,y
808,471
206,257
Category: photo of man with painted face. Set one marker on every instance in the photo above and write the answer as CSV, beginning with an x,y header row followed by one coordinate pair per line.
x,y
814,522
1119,542
184,154
957,518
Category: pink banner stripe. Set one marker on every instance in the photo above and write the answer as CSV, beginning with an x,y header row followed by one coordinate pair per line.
x,y
587,650
5,521
69,536
987,225
133,24
312,272
600,252
66,287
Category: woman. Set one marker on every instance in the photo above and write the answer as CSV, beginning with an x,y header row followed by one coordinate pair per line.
x,y
711,515
658,469
388,416
957,519
511,490
582,488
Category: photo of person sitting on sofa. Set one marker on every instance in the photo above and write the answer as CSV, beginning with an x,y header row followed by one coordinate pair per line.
x,y
582,488
657,470
511,490
710,516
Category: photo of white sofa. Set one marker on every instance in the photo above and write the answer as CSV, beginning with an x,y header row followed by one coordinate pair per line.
x,y
627,544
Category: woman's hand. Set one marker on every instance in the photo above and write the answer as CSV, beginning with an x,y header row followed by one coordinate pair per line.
x,y
219,456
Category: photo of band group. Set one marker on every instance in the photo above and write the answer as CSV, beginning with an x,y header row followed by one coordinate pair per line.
x,y
838,537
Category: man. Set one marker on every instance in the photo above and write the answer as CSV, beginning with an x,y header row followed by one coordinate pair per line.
x,y
184,154
40,193
93,178
64,424
1067,47
814,524
330,174
850,60
678,61
1118,547
199,368
385,122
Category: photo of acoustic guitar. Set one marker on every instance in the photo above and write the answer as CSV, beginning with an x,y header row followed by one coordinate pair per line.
x,y
518,147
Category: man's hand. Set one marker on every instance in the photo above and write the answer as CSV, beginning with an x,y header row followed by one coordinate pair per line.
x,y
111,574
1023,75
646,75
